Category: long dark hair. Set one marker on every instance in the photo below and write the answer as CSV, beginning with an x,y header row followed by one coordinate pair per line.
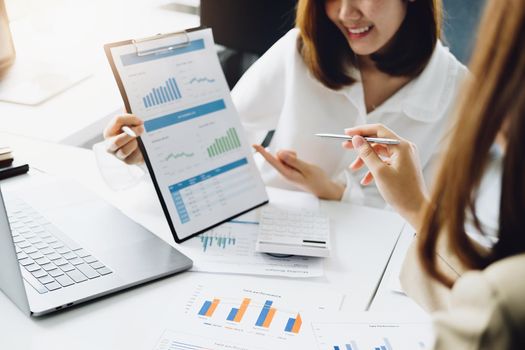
x,y
493,101
327,53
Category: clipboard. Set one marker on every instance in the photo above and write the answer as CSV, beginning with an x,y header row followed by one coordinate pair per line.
x,y
193,145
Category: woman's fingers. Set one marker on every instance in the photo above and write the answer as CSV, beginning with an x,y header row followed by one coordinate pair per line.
x,y
126,150
381,150
119,141
131,120
135,157
285,170
372,130
367,179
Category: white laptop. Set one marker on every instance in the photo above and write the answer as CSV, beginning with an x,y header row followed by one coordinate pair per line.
x,y
61,245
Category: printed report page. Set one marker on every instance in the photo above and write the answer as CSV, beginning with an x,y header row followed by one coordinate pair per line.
x,y
194,140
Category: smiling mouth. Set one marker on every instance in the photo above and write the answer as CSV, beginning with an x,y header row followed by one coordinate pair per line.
x,y
362,30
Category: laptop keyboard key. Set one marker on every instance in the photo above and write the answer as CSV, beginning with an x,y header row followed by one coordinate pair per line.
x,y
69,255
23,244
25,261
36,255
40,246
53,286
50,240
62,250
77,276
34,240
90,259
104,271
57,245
42,261
47,250
22,255
67,267
54,256
97,265
76,261
65,281
55,273
88,271
81,253
32,267
60,262
29,250
46,279
39,273
48,267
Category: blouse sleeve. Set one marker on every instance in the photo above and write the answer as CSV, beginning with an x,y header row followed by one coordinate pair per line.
x,y
475,318
259,94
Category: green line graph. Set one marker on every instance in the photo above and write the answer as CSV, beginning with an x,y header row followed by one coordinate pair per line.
x,y
178,155
224,143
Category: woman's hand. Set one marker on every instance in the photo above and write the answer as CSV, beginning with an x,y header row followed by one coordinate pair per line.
x,y
395,169
308,176
123,146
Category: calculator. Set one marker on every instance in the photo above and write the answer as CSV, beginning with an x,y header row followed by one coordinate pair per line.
x,y
293,232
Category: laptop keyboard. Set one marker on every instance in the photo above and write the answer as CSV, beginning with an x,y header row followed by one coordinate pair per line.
x,y
49,259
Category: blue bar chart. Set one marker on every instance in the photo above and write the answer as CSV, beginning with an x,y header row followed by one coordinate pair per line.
x,y
265,312
221,242
162,94
236,314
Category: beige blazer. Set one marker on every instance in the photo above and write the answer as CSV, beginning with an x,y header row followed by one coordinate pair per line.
x,y
484,310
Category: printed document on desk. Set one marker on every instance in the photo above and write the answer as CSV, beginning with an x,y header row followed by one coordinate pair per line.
x,y
254,314
193,144
230,247
368,330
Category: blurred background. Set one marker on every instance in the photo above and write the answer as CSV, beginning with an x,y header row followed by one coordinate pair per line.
x,y
59,86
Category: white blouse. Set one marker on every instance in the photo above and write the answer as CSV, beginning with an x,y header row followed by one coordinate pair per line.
x,y
279,92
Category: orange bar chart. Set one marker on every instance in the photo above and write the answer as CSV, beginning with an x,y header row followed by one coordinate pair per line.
x,y
269,318
236,314
209,307
294,324
212,308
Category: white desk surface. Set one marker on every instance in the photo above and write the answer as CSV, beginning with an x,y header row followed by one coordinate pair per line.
x,y
59,31
135,319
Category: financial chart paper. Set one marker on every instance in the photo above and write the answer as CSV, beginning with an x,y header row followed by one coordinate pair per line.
x,y
195,146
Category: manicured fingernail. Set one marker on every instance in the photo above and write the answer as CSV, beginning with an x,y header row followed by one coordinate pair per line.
x,y
120,154
358,141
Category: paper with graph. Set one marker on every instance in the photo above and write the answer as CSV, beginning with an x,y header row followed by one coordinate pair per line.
x,y
194,142
258,312
230,248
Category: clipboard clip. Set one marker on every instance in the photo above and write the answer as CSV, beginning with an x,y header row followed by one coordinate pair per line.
x,y
160,43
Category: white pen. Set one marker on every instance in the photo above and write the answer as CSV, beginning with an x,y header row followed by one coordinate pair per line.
x,y
368,139
128,131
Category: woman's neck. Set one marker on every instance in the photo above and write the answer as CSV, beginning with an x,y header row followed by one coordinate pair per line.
x,y
378,86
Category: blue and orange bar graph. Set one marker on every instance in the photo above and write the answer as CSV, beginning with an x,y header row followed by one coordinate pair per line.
x,y
209,307
162,94
266,316
294,324
236,314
